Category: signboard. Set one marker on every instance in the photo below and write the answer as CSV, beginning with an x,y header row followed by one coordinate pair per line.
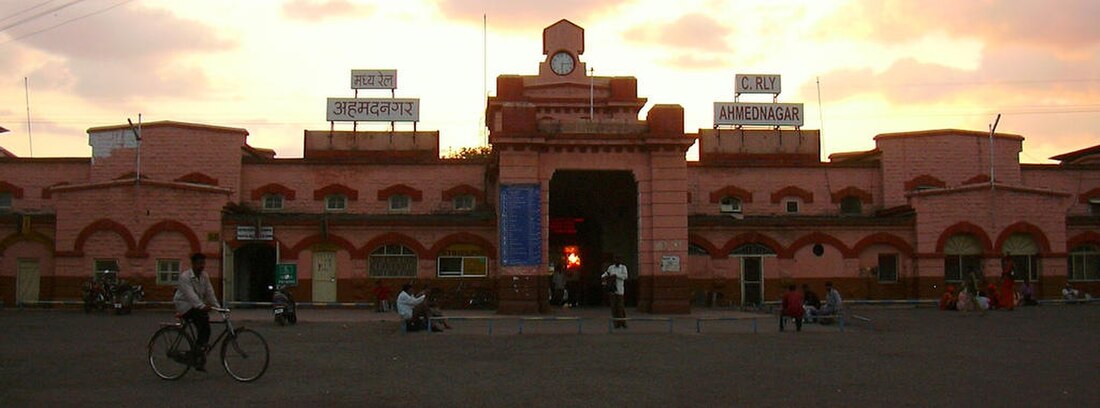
x,y
670,263
757,84
766,114
520,224
373,109
374,79
286,274
250,233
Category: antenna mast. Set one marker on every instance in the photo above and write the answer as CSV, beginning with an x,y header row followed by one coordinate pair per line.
x,y
27,94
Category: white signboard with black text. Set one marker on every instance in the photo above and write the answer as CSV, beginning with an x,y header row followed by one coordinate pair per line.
x,y
373,109
374,79
757,84
758,114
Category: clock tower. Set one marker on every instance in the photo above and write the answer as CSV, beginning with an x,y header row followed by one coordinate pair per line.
x,y
563,44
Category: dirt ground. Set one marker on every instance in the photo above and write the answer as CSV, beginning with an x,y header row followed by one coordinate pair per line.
x,y
1037,356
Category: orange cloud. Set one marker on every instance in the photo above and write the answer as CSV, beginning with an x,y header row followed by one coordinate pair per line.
x,y
316,11
1064,25
524,14
694,31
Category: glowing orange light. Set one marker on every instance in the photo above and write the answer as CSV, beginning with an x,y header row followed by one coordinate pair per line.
x,y
572,257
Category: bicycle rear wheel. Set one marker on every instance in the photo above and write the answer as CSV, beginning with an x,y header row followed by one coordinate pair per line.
x,y
169,352
245,356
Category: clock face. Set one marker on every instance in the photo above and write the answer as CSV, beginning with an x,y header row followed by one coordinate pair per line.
x,y
562,63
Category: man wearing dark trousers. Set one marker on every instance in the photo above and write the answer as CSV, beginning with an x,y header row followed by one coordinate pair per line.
x,y
194,298
616,275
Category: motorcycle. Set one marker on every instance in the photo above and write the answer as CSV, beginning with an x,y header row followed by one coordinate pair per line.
x,y
105,291
283,306
125,295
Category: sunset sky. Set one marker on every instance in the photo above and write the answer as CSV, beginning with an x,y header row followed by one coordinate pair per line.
x,y
267,66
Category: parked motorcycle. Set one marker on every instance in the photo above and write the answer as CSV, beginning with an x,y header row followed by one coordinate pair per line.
x,y
283,306
105,291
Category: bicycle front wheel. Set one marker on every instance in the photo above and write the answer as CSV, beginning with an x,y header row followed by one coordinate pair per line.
x,y
169,352
245,356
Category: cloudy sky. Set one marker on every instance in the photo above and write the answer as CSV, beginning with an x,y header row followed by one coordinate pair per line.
x,y
267,66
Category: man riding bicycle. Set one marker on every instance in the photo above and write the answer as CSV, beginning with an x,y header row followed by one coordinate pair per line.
x,y
194,298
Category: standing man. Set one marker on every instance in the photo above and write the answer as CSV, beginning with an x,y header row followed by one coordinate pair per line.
x,y
194,298
557,286
618,272
792,307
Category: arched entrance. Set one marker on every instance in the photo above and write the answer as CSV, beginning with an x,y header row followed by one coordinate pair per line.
x,y
253,272
751,256
595,212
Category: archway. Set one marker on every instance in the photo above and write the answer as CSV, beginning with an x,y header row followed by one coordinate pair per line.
x,y
253,272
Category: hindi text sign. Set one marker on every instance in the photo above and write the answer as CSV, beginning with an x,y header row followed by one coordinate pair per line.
x,y
374,79
373,110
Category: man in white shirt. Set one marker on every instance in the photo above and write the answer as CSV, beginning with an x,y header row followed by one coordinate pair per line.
x,y
194,298
618,272
414,310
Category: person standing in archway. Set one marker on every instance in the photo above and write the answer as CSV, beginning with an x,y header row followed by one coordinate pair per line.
x,y
1006,295
614,277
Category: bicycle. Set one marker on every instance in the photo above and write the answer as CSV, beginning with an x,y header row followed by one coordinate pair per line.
x,y
244,352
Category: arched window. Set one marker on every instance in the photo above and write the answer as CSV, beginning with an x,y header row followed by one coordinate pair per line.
x,y
752,249
1084,263
460,260
851,205
963,256
1023,251
729,205
392,261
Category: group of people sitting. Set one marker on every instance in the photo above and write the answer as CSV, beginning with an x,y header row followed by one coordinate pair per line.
x,y
806,306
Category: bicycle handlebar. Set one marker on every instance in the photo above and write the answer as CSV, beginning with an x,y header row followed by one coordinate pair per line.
x,y
218,309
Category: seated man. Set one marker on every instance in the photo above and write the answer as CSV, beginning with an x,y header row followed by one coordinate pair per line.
x,y
811,302
1069,293
415,311
949,301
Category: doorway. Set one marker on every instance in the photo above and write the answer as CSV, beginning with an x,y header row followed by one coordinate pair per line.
x,y
253,272
596,214
752,281
324,276
28,281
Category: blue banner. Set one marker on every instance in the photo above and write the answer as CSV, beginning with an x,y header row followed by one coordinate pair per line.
x,y
520,224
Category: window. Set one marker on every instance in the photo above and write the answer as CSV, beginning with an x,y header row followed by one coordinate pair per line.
x,y
1084,263
168,271
336,202
887,267
464,202
792,207
5,201
729,205
462,260
273,202
962,257
1023,251
105,269
1094,206
851,205
392,261
400,203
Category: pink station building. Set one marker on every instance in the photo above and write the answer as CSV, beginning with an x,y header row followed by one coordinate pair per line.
x,y
572,169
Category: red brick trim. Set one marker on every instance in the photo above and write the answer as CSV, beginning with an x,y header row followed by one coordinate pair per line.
x,y
1082,198
981,178
386,193
852,191
806,196
274,188
350,193
730,191
463,238
714,251
395,238
168,226
965,228
1084,238
293,252
33,236
198,178
924,180
16,191
104,224
753,237
882,238
818,238
462,189
1024,227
